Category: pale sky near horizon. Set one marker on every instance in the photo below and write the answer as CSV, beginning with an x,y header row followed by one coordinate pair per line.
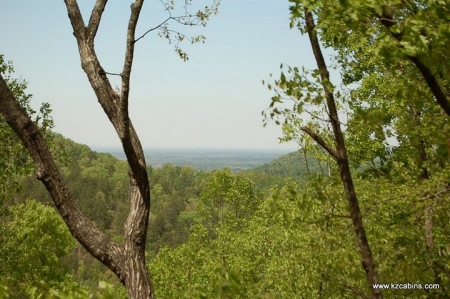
x,y
212,101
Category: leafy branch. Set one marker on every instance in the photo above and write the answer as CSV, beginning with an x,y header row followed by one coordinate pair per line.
x,y
199,18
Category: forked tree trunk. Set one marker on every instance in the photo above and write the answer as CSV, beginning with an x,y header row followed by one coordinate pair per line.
x,y
115,105
127,261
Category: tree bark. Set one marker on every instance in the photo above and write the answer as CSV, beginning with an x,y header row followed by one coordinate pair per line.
x,y
340,155
136,280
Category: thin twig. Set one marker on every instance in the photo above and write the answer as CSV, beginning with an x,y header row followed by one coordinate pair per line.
x,y
154,28
114,74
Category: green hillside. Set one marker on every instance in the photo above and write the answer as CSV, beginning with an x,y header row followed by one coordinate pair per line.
x,y
291,165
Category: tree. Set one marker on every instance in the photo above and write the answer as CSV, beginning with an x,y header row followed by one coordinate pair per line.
x,y
314,92
396,56
227,200
126,260
392,59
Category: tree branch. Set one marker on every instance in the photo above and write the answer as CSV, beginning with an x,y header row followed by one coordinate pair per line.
x,y
320,141
115,107
340,152
95,19
187,20
387,20
126,72
76,19
130,141
113,74
153,29
433,84
96,242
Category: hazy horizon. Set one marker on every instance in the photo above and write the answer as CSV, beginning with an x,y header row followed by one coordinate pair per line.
x,y
203,158
180,148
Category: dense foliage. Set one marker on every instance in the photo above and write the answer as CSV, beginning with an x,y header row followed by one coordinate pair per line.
x,y
213,235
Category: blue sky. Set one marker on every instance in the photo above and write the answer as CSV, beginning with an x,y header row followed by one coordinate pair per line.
x,y
212,101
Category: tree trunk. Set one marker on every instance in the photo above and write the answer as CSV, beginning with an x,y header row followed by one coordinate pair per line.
x,y
137,282
340,155
136,278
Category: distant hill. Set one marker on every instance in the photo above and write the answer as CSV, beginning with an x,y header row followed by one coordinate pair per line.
x,y
290,165
204,159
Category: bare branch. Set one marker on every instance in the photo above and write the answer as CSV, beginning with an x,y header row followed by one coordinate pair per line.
x,y
96,17
388,21
176,19
321,142
153,29
306,161
126,72
113,74
315,115
76,19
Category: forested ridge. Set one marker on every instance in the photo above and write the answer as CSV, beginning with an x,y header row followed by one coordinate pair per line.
x,y
361,210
